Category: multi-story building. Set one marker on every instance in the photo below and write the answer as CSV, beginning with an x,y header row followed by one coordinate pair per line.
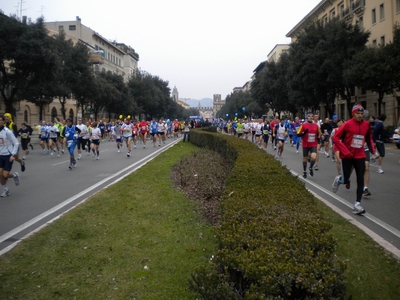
x,y
376,16
106,55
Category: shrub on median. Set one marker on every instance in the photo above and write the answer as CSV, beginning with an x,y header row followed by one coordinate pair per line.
x,y
273,241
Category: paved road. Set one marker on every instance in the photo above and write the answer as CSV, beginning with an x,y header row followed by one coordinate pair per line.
x,y
48,188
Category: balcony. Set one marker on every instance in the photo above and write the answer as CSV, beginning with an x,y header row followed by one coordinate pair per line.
x,y
359,6
96,58
347,14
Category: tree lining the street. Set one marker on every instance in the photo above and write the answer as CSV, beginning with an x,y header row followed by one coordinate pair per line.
x,y
40,68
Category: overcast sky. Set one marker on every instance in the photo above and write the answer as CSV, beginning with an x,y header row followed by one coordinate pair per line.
x,y
201,47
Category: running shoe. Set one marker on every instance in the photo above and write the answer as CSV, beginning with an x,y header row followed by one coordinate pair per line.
x,y
94,155
380,171
311,172
335,184
79,156
5,193
128,154
23,166
43,152
51,153
119,151
316,167
358,209
297,151
70,167
98,157
366,192
305,174
31,146
16,178
62,151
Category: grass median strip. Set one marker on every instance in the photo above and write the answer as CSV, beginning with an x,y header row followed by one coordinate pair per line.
x,y
138,239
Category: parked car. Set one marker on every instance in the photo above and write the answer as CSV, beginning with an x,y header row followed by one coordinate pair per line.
x,y
396,135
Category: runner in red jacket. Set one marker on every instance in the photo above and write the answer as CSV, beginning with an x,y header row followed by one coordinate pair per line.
x,y
350,139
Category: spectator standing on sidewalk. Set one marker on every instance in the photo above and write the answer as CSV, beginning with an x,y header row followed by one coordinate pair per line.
x,y
186,131
8,149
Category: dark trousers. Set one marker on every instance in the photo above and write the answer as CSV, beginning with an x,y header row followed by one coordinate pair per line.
x,y
186,133
359,167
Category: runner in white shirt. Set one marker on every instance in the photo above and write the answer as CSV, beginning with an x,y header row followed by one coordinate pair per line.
x,y
95,140
161,130
127,134
81,141
246,130
259,130
53,133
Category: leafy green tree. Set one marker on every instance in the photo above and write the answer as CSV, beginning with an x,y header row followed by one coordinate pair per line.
x,y
319,58
73,67
24,55
371,70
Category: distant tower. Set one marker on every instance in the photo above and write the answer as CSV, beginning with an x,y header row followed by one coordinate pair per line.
x,y
217,103
175,94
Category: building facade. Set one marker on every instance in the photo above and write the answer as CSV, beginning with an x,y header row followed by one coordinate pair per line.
x,y
217,103
375,16
117,58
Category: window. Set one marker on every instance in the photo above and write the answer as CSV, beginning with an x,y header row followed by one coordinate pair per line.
x,y
72,27
374,43
383,40
325,19
333,14
382,12
60,28
342,10
398,6
373,16
361,23
351,5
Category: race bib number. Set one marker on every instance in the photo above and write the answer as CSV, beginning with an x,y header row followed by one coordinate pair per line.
x,y
69,143
311,138
357,141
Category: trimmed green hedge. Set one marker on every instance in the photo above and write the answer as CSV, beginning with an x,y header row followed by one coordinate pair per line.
x,y
273,241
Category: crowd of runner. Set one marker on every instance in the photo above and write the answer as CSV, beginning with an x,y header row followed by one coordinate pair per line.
x,y
351,144
58,137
